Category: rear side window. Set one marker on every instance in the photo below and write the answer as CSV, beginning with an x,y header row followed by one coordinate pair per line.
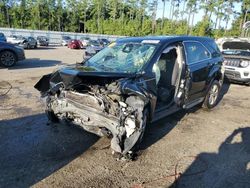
x,y
212,46
196,52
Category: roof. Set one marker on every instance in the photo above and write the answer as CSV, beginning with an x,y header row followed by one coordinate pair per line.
x,y
163,39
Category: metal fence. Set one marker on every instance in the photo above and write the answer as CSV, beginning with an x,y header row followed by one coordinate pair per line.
x,y
55,37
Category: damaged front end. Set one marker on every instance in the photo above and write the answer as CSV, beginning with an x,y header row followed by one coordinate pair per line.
x,y
104,104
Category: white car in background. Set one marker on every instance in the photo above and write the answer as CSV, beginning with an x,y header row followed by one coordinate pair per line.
x,y
85,41
65,40
236,53
15,39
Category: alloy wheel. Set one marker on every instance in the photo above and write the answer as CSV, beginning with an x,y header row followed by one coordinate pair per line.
x,y
7,59
213,94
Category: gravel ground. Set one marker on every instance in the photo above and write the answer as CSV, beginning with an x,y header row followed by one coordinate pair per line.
x,y
194,148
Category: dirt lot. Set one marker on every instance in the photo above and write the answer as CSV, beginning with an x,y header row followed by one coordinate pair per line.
x,y
209,149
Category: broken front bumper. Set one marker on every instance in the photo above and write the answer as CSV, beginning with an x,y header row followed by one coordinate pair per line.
x,y
89,118
124,129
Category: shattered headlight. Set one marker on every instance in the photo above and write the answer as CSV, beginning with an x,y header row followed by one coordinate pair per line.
x,y
130,125
244,64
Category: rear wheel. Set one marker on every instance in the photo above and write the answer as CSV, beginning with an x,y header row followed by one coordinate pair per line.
x,y
212,97
35,45
7,59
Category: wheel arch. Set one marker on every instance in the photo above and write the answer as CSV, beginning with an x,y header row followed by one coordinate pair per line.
x,y
215,74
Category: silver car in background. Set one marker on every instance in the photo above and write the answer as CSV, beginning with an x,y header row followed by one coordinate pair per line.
x,y
65,40
42,41
28,43
94,46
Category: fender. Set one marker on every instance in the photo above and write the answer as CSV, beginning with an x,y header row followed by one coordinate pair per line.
x,y
216,73
142,88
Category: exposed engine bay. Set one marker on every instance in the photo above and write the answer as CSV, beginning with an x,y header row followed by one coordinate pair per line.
x,y
110,107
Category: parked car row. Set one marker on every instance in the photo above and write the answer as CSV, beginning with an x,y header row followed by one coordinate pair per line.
x,y
31,42
83,42
28,42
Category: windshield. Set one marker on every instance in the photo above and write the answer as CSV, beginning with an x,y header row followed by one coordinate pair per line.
x,y
124,58
236,46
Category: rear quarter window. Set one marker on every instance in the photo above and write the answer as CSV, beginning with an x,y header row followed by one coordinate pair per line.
x,y
196,52
213,48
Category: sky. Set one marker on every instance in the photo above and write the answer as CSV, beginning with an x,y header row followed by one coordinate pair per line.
x,y
198,16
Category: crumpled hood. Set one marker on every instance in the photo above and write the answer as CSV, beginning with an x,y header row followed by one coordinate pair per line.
x,y
76,74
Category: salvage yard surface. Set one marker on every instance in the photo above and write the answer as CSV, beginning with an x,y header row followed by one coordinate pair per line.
x,y
209,149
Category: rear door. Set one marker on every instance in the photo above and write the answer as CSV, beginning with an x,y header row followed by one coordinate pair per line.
x,y
198,65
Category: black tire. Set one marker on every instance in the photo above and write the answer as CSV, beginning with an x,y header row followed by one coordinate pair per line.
x,y
7,59
35,45
212,96
28,46
51,116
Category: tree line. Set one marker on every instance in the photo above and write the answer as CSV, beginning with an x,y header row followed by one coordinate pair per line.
x,y
127,17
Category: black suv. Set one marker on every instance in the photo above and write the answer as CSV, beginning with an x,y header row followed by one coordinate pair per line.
x,y
132,82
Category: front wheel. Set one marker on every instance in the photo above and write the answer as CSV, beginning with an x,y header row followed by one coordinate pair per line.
x,y
212,96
